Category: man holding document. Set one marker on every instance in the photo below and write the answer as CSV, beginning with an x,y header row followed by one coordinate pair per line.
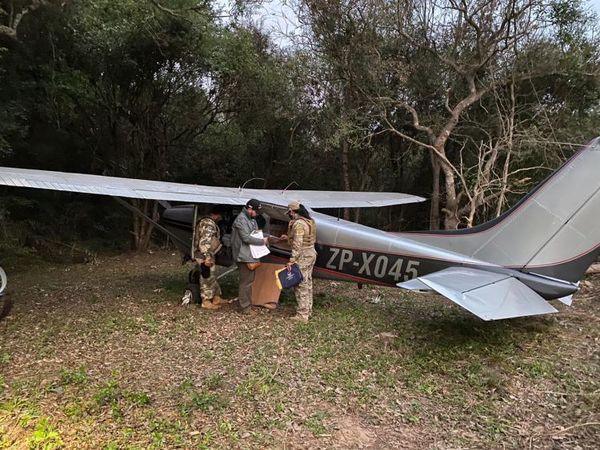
x,y
248,246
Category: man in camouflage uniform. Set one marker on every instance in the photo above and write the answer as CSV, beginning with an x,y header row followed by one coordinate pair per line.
x,y
302,234
208,243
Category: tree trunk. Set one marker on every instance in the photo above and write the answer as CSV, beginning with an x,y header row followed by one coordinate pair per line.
x,y
345,174
142,229
451,220
434,213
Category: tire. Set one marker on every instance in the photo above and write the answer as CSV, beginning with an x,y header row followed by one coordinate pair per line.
x,y
3,280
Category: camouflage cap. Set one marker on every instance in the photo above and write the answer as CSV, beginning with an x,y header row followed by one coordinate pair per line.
x,y
294,206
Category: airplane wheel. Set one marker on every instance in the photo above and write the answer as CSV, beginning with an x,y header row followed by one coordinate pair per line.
x,y
3,280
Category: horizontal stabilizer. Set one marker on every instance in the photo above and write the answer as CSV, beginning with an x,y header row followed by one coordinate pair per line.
x,y
488,295
168,191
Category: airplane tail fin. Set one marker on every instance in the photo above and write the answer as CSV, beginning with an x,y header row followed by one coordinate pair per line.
x,y
554,231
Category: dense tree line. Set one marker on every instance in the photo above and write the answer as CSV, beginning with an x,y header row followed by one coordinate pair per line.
x,y
466,102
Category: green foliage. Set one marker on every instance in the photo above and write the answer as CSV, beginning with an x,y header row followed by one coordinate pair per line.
x,y
77,377
45,437
393,79
109,394
138,398
205,400
12,126
315,423
168,90
260,382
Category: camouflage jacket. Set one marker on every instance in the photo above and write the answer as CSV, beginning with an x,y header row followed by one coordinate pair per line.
x,y
208,238
302,234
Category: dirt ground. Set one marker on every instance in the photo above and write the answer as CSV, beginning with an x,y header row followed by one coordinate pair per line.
x,y
103,356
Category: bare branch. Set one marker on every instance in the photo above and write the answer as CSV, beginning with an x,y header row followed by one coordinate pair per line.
x,y
413,112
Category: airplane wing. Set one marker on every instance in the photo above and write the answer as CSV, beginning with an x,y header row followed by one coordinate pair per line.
x,y
488,295
162,190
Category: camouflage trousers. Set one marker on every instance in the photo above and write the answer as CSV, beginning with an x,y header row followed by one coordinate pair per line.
x,y
209,287
304,291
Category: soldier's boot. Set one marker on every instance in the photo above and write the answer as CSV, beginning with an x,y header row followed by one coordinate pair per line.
x,y
218,300
299,318
207,304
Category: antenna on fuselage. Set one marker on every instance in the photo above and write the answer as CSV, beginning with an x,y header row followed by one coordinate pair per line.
x,y
286,188
248,181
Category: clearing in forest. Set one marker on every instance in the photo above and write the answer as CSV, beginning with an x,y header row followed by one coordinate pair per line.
x,y
103,356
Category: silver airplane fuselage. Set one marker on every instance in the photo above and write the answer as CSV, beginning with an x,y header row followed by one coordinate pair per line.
x,y
347,251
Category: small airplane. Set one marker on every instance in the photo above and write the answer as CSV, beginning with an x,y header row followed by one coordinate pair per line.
x,y
507,267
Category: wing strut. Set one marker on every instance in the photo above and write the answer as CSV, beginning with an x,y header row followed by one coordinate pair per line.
x,y
194,231
139,213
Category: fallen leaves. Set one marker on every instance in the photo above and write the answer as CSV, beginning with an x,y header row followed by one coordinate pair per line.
x,y
364,373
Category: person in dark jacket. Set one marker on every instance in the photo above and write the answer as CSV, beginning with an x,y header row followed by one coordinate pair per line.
x,y
241,240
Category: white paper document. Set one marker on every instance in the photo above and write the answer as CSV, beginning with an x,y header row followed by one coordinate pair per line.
x,y
258,251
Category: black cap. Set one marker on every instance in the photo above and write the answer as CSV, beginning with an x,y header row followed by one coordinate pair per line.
x,y
254,204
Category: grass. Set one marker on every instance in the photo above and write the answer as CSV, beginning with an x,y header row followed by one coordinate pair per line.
x,y
315,423
45,437
190,398
76,377
119,364
260,382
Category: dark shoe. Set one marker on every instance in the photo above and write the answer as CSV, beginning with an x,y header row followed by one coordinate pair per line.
x,y
248,311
